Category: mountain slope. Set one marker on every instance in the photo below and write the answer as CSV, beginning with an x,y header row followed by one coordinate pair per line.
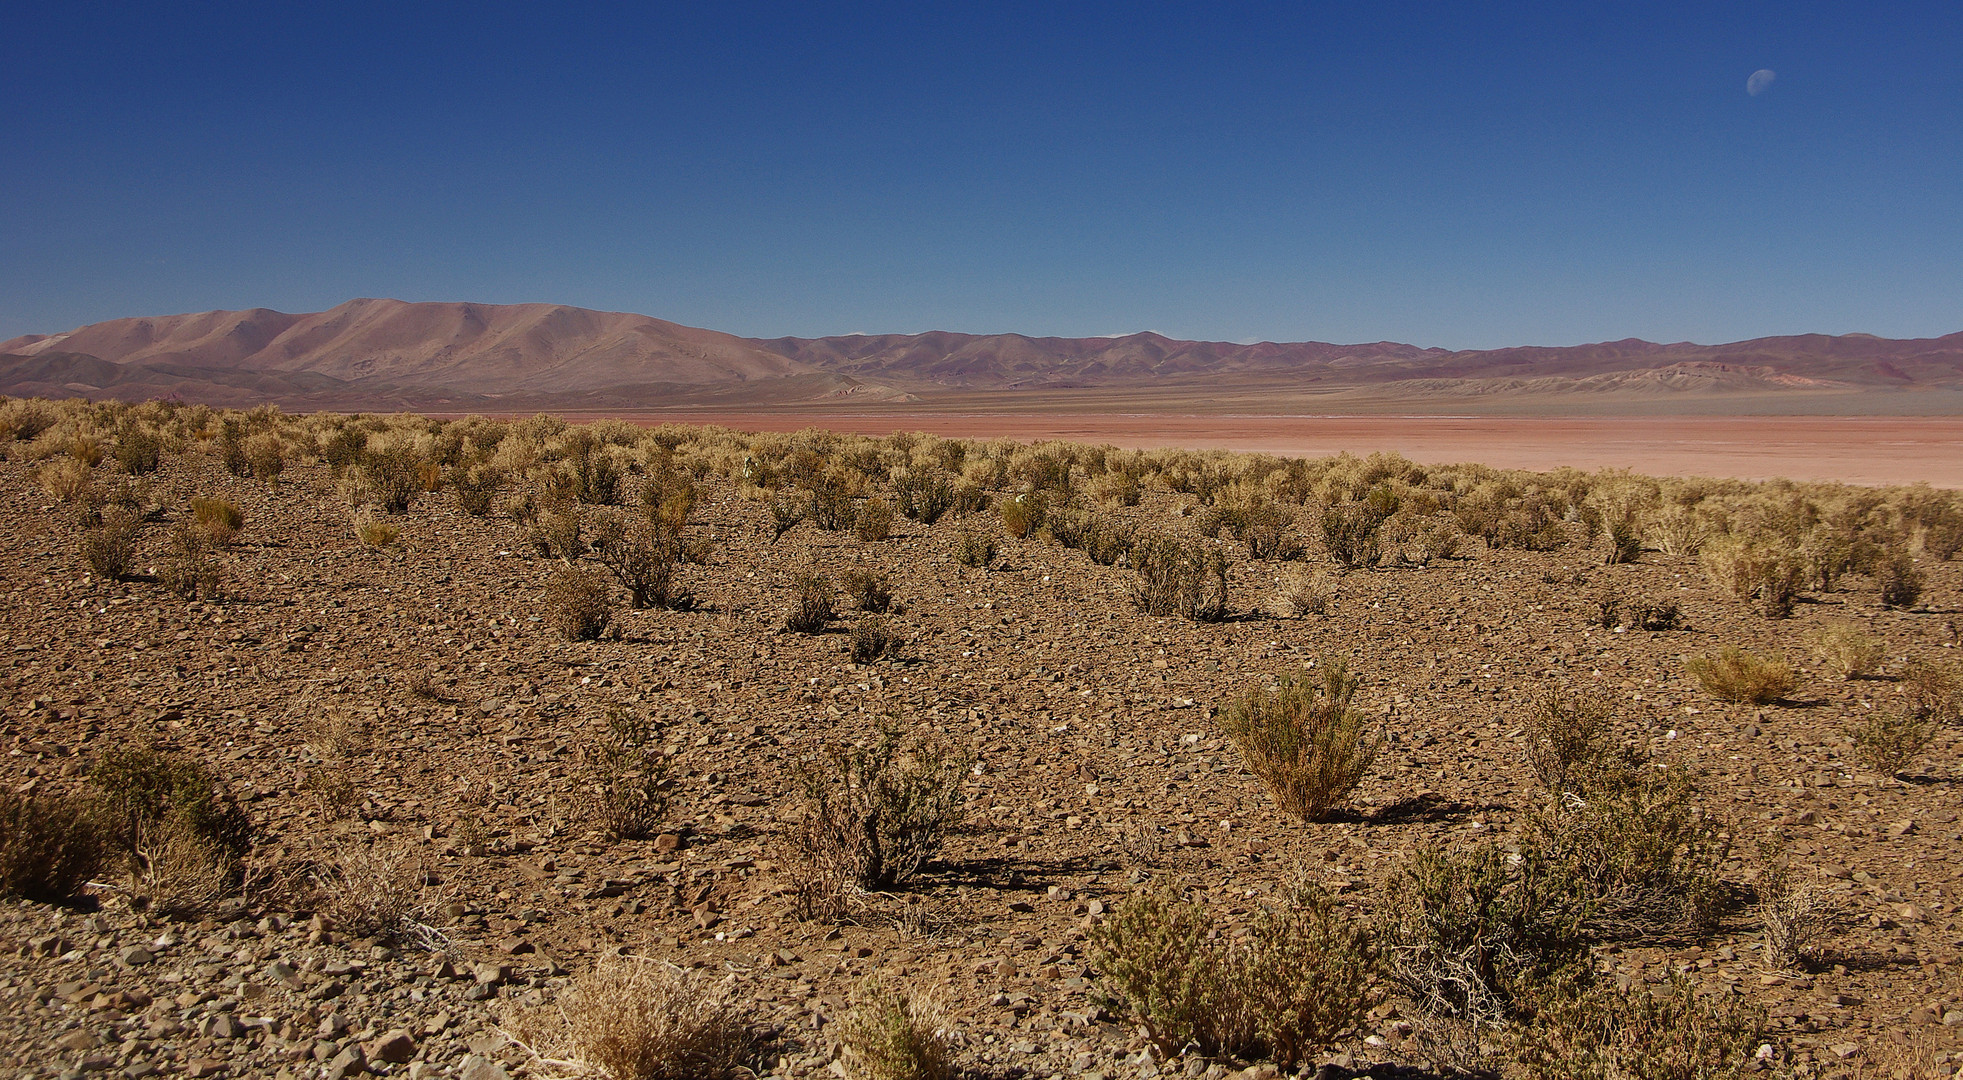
x,y
385,354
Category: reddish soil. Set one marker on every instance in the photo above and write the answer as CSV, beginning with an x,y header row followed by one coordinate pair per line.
x,y
1849,449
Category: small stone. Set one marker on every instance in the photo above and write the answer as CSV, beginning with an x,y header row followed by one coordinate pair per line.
x,y
667,843
516,946
136,956
1953,1018
490,974
1005,968
76,1040
284,974
349,1062
477,1068
395,1047
225,1026
1834,870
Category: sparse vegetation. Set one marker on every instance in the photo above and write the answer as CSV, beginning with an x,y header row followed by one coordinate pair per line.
x,y
635,1018
1845,651
811,604
976,549
49,847
875,813
1305,739
870,590
873,639
1183,578
1738,676
578,604
1296,980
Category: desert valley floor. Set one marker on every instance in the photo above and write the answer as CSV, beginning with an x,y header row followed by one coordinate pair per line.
x,y
1098,770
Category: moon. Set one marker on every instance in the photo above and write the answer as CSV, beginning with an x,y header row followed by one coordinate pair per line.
x,y
1760,80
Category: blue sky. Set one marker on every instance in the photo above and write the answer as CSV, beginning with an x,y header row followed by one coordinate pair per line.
x,y
1465,175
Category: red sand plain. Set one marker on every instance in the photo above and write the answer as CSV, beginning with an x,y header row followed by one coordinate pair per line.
x,y
1852,449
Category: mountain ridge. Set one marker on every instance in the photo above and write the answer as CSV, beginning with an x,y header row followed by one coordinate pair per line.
x,y
369,353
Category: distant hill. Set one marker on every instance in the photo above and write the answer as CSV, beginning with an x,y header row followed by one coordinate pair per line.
x,y
388,354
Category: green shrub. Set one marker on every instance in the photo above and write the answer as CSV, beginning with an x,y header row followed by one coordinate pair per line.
x,y
874,521
1901,583
109,547
139,450
870,590
1738,676
183,840
976,549
1188,579
1296,980
221,519
1888,740
1023,514
624,773
477,488
893,1037
924,496
49,847
1304,739
642,555
1672,1033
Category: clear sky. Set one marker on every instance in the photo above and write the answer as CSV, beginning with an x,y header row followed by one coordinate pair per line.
x,y
1464,175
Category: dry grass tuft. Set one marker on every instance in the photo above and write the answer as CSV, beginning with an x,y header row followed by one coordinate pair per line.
x,y
632,1018
874,815
1738,676
1845,650
1794,913
374,890
625,769
811,603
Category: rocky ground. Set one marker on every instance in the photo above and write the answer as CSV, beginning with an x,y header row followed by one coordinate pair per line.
x,y
1098,770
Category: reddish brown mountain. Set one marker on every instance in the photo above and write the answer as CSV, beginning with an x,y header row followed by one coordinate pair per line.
x,y
384,354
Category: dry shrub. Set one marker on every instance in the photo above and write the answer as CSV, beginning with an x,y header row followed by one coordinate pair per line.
x,y
86,449
870,590
1901,583
890,1036
1888,740
875,814
221,519
578,604
374,890
1296,980
50,846
25,419
1023,514
1302,594
874,521
66,479
1737,676
109,547
625,769
976,549
1184,578
1306,741
189,568
180,872
1769,572
632,1018
1794,913
642,554
811,603
1846,651
477,488
182,838
335,739
1651,615
1932,692
1669,1034
1470,934
875,639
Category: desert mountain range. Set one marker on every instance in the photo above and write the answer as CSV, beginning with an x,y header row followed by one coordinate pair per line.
x,y
388,354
